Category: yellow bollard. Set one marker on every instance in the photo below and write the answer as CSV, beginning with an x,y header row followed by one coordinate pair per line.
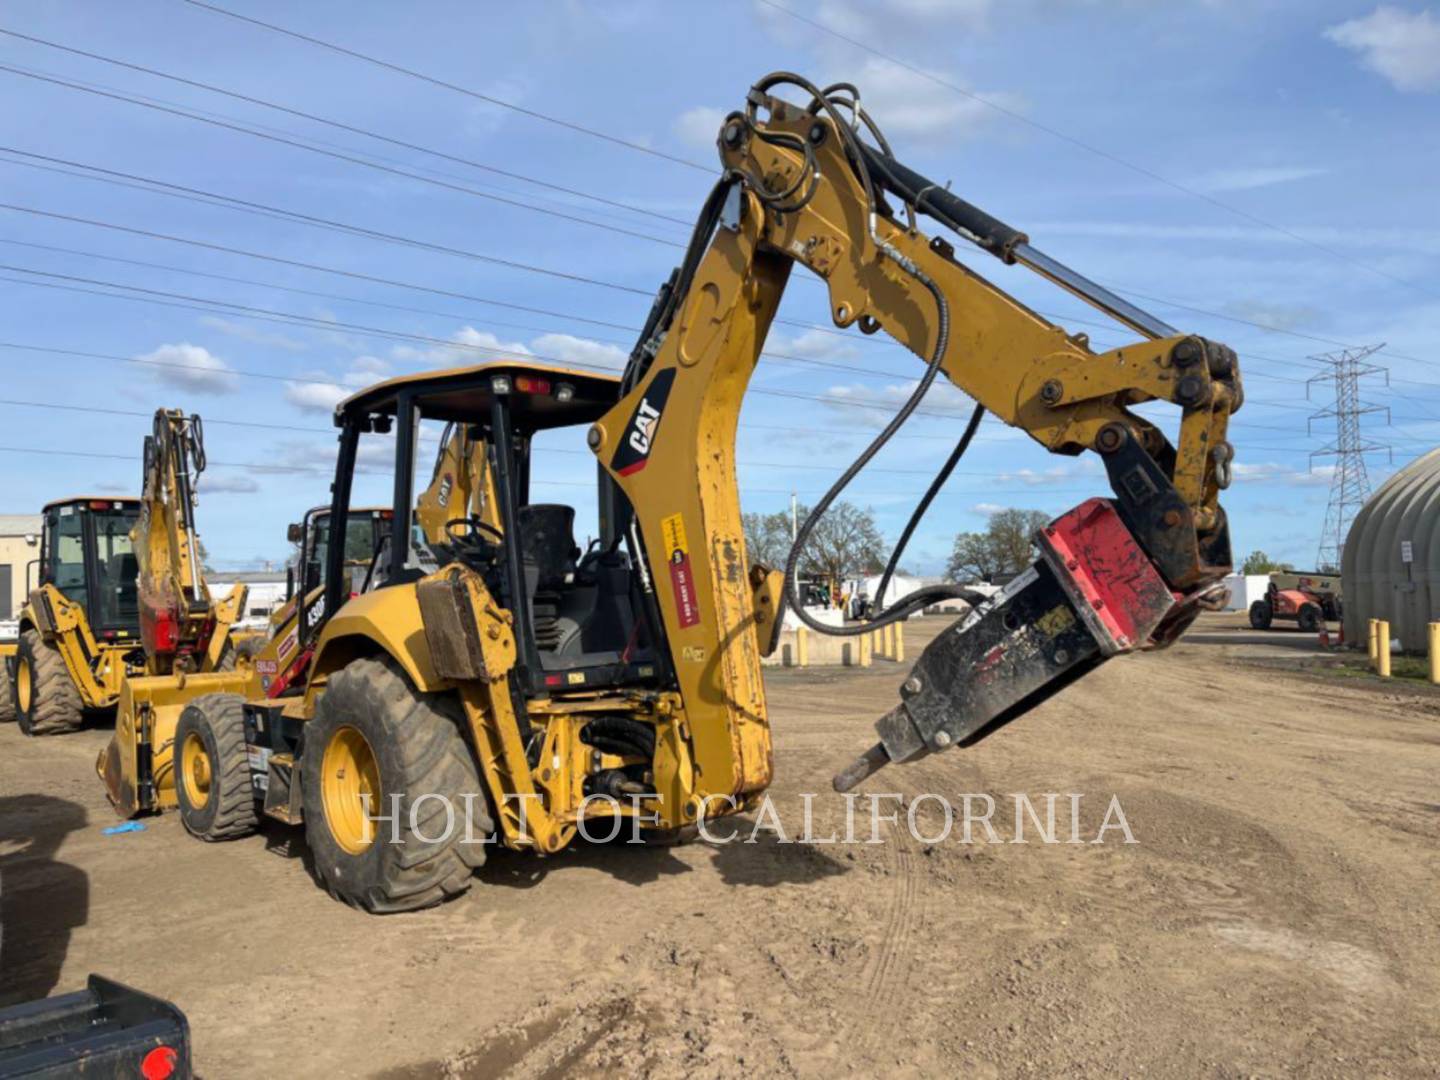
x,y
898,655
865,650
1382,648
889,633
1435,652
1373,638
802,647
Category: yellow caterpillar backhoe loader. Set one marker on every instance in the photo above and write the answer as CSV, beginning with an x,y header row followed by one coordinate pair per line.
x,y
120,592
80,627
492,682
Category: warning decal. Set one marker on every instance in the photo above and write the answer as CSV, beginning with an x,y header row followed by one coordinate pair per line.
x,y
682,580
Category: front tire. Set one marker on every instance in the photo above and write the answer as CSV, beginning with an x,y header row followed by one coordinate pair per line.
x,y
212,769
1261,615
47,702
1309,618
375,737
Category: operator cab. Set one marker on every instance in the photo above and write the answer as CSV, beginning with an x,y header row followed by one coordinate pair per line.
x,y
87,554
583,615
366,528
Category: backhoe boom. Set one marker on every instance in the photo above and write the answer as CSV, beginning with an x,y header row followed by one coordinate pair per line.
x,y
800,185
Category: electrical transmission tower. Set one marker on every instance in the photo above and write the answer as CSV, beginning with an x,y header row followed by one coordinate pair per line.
x,y
1350,485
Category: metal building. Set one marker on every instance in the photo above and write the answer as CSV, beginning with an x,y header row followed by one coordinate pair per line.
x,y
1390,568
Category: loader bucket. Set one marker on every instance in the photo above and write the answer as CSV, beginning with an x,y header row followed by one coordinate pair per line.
x,y
137,766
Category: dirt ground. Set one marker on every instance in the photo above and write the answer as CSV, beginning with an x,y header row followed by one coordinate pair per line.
x,y
1278,915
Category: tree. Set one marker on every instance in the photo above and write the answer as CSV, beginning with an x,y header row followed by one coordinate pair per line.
x,y
1257,562
1005,548
845,541
767,537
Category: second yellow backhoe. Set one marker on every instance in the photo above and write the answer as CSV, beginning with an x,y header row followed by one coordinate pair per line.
x,y
492,682
121,592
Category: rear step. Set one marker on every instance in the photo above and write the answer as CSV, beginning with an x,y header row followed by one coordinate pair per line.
x,y
105,1030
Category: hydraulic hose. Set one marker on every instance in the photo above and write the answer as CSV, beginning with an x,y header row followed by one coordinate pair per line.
x,y
929,497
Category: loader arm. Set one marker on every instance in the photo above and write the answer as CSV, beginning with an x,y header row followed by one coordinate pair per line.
x,y
800,186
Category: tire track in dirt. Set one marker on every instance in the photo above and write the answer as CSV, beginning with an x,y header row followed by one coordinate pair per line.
x,y
889,975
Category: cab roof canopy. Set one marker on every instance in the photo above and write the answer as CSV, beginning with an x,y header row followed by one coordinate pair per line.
x,y
541,395
116,502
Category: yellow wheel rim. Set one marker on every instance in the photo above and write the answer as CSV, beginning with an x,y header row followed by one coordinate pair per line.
x,y
24,687
350,789
195,770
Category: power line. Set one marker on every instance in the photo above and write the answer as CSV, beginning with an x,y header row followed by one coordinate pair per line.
x,y
1089,147
246,206
488,99
221,421
342,126
320,268
768,354
197,194
167,298
339,156
317,470
368,133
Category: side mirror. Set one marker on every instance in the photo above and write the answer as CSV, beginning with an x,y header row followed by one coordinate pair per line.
x,y
289,583
295,532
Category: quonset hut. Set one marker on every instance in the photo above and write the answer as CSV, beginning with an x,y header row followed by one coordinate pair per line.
x,y
1390,568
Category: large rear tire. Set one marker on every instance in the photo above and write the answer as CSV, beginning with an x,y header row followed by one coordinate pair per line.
x,y
374,737
47,702
212,769
1261,615
7,693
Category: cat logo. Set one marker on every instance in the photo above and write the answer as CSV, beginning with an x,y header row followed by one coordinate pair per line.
x,y
634,451
644,426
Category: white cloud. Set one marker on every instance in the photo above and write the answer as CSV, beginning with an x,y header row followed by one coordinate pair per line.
x,y
211,484
252,334
814,344
1273,471
319,393
1249,178
1274,316
582,352
474,346
1403,46
988,509
1059,474
886,400
471,346
699,126
321,397
907,104
190,367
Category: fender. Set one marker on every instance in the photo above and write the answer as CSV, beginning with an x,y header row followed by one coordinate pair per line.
x,y
385,621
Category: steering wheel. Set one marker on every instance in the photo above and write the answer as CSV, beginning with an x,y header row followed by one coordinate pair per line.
x,y
477,525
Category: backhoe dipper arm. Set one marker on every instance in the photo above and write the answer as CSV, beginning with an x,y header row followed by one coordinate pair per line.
x,y
179,620
801,186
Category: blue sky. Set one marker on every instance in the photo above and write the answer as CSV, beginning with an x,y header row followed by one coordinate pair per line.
x,y
1319,117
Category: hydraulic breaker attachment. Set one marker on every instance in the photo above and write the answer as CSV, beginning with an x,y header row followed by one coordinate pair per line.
x,y
1092,594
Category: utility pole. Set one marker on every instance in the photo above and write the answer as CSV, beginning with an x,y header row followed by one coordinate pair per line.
x,y
1350,484
794,517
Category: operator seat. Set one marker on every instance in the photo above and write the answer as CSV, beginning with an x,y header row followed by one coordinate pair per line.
x,y
548,557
